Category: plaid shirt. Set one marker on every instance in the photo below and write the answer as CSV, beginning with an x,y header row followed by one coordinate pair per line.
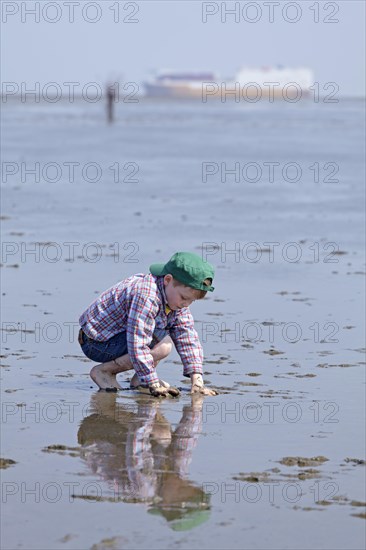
x,y
137,305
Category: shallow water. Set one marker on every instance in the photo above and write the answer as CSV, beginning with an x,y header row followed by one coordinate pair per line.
x,y
283,339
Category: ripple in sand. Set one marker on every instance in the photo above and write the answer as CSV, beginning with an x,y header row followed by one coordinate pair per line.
x,y
302,461
6,462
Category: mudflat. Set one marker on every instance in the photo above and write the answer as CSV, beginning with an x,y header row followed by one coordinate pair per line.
x,y
276,460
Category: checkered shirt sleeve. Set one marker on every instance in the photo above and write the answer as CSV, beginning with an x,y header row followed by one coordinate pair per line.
x,y
187,343
140,329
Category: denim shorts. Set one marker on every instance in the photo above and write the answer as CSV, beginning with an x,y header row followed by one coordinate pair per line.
x,y
111,349
102,352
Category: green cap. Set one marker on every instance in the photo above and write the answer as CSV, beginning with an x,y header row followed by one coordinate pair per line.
x,y
187,268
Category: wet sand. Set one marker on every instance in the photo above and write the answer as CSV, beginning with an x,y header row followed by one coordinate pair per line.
x,y
277,460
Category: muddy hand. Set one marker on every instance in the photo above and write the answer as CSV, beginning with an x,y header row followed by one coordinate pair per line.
x,y
201,390
198,386
158,390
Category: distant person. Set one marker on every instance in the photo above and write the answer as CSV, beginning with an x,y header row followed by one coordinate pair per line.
x,y
134,324
111,97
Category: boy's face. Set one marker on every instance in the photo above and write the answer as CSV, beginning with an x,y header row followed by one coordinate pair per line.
x,y
178,296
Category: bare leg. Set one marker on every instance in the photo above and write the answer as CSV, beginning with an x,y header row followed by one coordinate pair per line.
x,y
104,374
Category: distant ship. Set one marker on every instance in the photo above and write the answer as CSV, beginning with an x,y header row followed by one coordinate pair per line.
x,y
176,85
248,82
276,78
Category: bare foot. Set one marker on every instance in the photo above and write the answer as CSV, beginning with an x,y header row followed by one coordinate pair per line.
x,y
105,380
135,383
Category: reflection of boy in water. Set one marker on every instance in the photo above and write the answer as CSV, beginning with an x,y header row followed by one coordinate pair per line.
x,y
143,458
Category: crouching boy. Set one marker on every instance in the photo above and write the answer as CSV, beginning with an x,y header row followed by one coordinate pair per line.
x,y
134,324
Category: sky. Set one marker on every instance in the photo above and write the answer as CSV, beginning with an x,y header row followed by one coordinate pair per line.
x,y
130,40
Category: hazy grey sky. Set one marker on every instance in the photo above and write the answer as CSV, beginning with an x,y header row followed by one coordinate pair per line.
x,y
172,34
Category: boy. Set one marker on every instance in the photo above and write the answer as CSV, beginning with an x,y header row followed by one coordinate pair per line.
x,y
133,325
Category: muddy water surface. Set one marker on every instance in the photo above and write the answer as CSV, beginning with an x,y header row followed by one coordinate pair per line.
x,y
277,459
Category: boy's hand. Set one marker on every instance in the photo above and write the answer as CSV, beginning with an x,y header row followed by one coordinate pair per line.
x,y
198,386
157,390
